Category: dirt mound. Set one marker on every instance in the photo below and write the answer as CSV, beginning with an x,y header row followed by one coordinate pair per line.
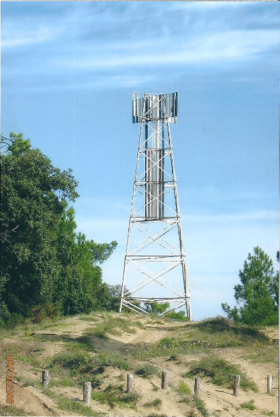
x,y
104,348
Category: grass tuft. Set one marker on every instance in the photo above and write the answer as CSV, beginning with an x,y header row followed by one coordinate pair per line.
x,y
201,407
111,325
183,388
113,396
147,370
249,405
155,403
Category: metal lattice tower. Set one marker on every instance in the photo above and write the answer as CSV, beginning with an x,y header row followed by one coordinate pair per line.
x,y
154,263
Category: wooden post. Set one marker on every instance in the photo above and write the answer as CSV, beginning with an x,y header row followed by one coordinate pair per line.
x,y
197,387
129,383
87,392
269,384
164,380
45,378
236,385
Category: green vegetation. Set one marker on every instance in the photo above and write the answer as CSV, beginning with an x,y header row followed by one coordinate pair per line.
x,y
201,407
113,396
220,372
70,405
159,309
147,370
111,325
11,410
263,352
28,382
155,403
268,413
183,388
74,367
249,405
179,316
257,293
114,359
79,361
204,337
47,268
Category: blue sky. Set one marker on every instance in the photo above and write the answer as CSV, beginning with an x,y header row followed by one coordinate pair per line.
x,y
68,73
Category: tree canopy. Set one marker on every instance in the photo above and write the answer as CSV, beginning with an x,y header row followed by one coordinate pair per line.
x,y
44,260
257,294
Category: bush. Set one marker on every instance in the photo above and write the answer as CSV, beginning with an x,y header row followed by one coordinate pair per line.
x,y
250,405
113,395
41,312
220,373
73,361
155,403
11,320
147,370
180,316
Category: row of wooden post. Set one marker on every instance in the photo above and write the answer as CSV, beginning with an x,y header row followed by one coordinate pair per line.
x,y
129,384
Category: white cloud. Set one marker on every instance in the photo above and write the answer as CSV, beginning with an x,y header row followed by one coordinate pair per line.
x,y
27,36
214,48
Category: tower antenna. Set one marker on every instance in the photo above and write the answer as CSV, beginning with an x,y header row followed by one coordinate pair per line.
x,y
155,260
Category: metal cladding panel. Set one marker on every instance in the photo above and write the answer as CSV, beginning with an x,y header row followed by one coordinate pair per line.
x,y
151,107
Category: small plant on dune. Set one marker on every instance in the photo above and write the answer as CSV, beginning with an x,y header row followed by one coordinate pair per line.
x,y
157,415
111,325
27,382
220,372
268,413
183,388
184,392
70,405
249,405
147,370
88,318
114,359
201,407
113,395
11,410
155,403
81,343
72,360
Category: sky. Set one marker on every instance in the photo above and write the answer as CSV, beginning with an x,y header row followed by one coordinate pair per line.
x,y
68,71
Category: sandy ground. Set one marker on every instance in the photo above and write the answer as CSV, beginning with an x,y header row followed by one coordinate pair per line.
x,y
219,401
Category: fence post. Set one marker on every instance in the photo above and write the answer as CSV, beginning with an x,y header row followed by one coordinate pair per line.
x,y
87,392
129,383
45,378
164,380
197,387
236,385
269,384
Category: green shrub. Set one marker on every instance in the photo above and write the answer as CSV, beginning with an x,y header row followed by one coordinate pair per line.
x,y
155,403
112,359
179,316
113,395
250,405
183,388
147,370
220,372
201,407
72,360
10,320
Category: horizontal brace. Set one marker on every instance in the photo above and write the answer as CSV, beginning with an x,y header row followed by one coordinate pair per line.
x,y
162,219
157,299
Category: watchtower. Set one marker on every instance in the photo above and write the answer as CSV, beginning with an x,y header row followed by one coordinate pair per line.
x,y
155,260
